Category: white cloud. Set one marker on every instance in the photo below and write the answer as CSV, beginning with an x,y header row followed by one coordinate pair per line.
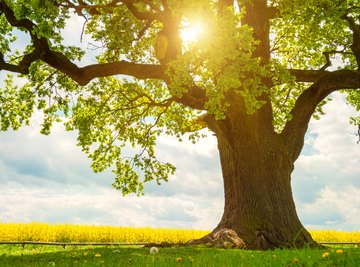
x,y
330,173
101,206
204,147
335,208
75,36
29,157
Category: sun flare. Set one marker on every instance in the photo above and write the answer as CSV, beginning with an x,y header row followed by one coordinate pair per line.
x,y
192,32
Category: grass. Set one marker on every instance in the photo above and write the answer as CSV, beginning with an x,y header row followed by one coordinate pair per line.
x,y
36,255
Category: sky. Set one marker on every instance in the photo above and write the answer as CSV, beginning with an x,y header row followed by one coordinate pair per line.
x,y
48,179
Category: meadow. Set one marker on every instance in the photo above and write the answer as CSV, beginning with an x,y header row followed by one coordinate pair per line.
x,y
30,255
111,255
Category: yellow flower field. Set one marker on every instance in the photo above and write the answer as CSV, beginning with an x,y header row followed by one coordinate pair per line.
x,y
43,232
335,236
90,233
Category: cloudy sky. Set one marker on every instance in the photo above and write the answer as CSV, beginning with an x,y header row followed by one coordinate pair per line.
x,y
48,179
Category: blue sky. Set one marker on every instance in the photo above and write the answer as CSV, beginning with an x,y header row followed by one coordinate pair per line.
x,y
48,179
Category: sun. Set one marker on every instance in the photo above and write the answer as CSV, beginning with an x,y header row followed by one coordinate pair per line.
x,y
192,32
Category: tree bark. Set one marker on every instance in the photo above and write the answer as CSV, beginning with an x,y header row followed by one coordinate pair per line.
x,y
259,210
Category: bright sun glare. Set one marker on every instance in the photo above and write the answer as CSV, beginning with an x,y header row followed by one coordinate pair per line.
x,y
191,32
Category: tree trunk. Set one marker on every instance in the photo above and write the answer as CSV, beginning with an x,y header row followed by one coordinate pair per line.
x,y
259,210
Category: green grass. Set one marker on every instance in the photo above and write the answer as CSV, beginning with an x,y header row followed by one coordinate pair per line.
x,y
36,255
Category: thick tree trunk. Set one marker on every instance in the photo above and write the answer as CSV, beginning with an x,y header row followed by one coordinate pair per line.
x,y
259,210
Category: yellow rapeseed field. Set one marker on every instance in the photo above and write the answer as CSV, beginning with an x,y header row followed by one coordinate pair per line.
x,y
335,236
90,233
43,232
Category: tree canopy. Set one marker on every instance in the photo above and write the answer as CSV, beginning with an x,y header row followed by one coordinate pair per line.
x,y
283,56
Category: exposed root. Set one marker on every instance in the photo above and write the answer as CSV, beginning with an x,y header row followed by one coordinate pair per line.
x,y
224,238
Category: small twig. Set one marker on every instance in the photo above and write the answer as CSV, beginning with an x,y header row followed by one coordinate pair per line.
x,y
327,57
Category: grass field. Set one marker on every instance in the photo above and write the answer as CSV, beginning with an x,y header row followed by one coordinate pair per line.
x,y
36,255
70,255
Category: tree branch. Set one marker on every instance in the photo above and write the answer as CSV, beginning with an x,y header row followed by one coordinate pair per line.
x,y
332,52
94,9
307,75
141,15
305,105
355,46
85,74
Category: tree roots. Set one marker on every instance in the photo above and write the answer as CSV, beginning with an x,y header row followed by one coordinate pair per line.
x,y
224,238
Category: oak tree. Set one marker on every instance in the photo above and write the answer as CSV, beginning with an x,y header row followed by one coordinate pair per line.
x,y
254,76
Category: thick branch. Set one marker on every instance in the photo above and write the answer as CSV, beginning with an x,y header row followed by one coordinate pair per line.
x,y
308,75
22,67
86,74
194,98
305,106
7,66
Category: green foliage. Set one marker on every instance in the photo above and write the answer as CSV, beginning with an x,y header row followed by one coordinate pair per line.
x,y
306,30
54,93
114,114
123,36
309,28
353,98
6,33
16,105
48,18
